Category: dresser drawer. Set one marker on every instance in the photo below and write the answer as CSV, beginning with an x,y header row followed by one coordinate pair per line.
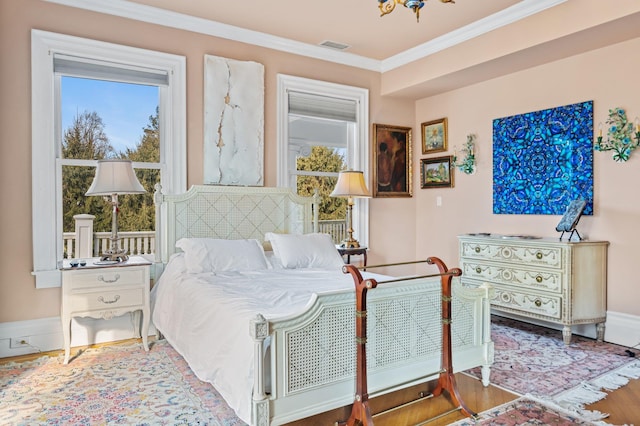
x,y
105,277
527,303
107,299
541,279
522,255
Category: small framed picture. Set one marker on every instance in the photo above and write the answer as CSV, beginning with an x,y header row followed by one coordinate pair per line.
x,y
434,136
392,161
436,172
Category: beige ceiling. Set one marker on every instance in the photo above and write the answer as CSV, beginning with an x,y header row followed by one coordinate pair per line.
x,y
416,59
356,23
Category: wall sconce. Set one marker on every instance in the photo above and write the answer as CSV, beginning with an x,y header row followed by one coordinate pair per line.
x,y
468,164
620,136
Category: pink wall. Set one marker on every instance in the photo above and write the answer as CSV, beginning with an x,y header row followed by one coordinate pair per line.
x,y
401,228
19,300
608,76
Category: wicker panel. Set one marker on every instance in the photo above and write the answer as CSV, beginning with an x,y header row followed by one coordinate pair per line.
x,y
322,352
403,329
463,326
429,309
390,329
238,216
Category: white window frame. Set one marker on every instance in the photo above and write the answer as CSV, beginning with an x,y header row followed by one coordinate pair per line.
x,y
46,185
360,154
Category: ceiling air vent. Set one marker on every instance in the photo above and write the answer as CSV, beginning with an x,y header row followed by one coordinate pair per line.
x,y
334,45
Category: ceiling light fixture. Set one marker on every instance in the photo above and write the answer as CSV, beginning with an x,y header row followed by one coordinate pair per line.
x,y
387,6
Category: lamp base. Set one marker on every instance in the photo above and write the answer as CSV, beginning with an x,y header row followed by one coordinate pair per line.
x,y
350,243
114,256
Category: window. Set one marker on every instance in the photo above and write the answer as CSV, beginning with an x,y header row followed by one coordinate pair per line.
x,y
323,129
61,63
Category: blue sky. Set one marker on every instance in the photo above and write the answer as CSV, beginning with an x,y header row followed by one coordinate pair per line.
x,y
124,108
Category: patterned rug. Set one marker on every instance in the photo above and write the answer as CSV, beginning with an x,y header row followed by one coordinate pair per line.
x,y
120,384
525,411
533,360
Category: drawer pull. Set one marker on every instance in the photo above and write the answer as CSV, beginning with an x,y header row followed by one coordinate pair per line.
x,y
108,302
538,303
538,279
478,270
116,278
538,255
477,249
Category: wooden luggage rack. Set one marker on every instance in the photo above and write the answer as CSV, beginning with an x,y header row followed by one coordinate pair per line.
x,y
360,412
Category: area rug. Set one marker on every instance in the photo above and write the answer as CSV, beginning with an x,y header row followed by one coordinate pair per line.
x,y
119,384
534,360
122,384
525,411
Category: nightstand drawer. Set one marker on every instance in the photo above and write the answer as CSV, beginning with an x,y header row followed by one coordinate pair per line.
x,y
105,277
104,291
541,279
524,255
527,303
80,302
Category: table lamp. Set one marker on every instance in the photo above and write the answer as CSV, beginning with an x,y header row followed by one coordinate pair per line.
x,y
115,177
351,185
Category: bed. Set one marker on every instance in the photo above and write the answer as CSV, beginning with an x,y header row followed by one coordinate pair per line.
x,y
257,303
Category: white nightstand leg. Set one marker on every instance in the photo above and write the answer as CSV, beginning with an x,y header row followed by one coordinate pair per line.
x,y
66,334
136,318
145,328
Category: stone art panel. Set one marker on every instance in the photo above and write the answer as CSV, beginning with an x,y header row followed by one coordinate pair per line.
x,y
233,122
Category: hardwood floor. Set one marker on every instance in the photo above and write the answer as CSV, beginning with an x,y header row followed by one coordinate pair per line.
x,y
475,396
622,404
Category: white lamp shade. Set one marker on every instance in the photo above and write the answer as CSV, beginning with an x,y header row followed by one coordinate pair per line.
x,y
351,184
115,177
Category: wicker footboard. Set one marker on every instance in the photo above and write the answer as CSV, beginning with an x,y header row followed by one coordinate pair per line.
x,y
312,358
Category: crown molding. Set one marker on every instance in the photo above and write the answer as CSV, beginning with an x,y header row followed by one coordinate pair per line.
x,y
181,21
153,15
499,19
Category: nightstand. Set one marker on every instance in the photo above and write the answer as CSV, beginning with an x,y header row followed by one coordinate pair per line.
x,y
105,290
354,251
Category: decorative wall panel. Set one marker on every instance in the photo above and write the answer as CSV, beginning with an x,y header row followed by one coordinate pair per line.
x,y
543,160
233,122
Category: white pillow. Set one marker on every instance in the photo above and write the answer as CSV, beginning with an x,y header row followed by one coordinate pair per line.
x,y
273,260
217,255
305,251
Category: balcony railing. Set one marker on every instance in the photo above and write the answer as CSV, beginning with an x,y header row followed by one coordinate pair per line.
x,y
336,228
144,242
135,243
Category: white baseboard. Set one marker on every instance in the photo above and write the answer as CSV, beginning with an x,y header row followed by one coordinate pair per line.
x,y
46,334
623,329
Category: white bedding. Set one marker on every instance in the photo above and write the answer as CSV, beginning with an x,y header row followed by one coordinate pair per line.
x,y
214,337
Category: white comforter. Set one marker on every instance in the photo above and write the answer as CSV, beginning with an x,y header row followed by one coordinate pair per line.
x,y
206,317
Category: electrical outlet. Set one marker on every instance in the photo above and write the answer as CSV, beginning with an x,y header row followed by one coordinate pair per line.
x,y
19,342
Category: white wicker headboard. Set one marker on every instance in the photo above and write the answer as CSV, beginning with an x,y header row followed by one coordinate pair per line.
x,y
230,212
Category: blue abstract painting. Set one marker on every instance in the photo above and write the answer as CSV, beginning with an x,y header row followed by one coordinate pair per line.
x,y
543,160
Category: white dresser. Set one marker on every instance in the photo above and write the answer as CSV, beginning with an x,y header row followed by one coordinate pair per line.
x,y
550,280
105,291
